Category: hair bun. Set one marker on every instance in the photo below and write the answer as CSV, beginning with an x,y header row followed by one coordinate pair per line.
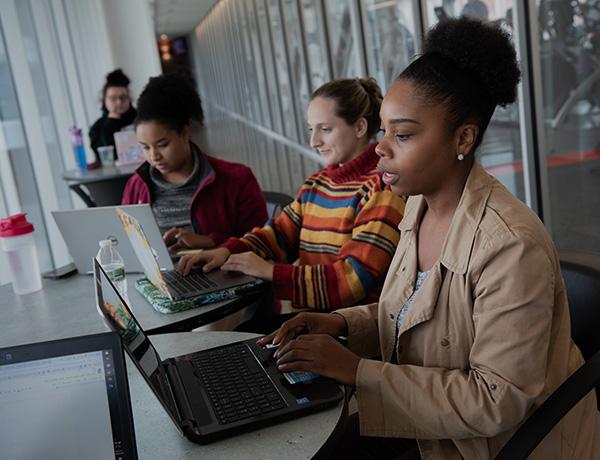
x,y
171,99
117,78
481,49
372,88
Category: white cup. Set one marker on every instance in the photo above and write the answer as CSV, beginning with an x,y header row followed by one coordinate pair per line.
x,y
107,155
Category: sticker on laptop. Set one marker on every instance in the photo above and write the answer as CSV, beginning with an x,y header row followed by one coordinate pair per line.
x,y
295,377
143,251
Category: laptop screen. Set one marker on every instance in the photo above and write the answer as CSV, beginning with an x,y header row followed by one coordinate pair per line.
x,y
65,400
117,314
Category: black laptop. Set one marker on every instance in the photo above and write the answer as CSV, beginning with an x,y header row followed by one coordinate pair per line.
x,y
218,392
66,399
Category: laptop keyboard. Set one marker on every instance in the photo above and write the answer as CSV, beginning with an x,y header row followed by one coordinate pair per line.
x,y
183,286
237,386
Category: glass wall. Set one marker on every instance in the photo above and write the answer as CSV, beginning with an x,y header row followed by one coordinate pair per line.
x,y
256,113
569,58
344,42
391,38
500,152
19,189
317,49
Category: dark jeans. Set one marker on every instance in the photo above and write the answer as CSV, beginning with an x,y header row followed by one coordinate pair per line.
x,y
264,324
352,445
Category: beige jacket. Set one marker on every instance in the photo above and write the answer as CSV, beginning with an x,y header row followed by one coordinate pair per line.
x,y
485,341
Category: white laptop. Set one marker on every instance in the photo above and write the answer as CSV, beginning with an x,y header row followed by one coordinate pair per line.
x,y
82,229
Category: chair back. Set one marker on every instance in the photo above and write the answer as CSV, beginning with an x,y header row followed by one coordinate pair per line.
x,y
102,192
582,281
276,202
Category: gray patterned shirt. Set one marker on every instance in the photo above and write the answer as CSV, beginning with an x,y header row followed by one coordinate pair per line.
x,y
421,277
171,204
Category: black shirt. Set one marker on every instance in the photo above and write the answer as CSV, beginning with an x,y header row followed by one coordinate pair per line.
x,y
103,130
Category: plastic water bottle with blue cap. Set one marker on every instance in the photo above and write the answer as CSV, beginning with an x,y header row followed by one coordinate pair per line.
x,y
78,149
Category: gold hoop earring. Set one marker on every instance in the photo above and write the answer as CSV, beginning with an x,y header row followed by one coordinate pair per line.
x,y
460,157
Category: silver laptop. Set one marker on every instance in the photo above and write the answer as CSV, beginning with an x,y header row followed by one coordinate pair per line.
x,y
169,282
82,229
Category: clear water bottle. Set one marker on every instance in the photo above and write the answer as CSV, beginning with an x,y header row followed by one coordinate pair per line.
x,y
77,141
113,265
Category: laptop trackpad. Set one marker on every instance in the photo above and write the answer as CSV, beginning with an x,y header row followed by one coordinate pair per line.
x,y
194,394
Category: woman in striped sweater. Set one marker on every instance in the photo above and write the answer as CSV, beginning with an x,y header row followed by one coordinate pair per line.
x,y
343,225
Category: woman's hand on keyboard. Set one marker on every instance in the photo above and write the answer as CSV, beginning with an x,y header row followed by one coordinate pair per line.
x,y
319,353
251,264
180,238
211,259
305,323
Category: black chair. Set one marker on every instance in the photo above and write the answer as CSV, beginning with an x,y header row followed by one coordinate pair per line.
x,y
103,192
276,202
581,273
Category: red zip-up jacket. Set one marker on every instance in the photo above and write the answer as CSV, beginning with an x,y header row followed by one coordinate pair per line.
x,y
227,203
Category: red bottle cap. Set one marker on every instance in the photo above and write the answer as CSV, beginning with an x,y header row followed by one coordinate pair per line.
x,y
15,226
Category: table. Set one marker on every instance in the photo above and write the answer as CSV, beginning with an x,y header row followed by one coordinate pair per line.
x,y
105,184
157,437
67,308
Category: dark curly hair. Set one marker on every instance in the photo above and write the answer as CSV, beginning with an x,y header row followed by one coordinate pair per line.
x,y
470,67
171,100
354,98
114,79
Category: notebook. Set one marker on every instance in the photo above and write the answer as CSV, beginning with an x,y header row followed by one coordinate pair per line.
x,y
66,399
217,392
169,282
82,229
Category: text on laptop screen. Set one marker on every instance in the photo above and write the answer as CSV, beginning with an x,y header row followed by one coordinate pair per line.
x,y
59,408
137,345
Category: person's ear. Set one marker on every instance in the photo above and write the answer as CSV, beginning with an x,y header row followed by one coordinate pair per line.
x,y
360,127
467,136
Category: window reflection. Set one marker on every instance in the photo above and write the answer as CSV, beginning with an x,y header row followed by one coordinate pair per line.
x,y
256,58
315,43
390,34
346,62
484,10
570,64
297,65
500,152
281,65
269,75
16,165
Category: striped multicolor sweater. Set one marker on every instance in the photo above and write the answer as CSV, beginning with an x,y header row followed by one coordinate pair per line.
x,y
343,230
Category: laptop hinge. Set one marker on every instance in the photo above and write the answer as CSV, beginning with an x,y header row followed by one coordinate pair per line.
x,y
183,406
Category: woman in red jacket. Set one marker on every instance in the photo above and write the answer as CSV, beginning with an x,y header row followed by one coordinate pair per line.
x,y
198,201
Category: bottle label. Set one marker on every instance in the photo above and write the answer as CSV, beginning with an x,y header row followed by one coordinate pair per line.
x,y
118,274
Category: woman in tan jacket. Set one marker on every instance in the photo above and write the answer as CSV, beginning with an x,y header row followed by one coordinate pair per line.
x,y
472,324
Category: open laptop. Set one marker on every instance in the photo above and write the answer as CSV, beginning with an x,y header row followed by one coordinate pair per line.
x,y
66,399
82,229
169,282
217,392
